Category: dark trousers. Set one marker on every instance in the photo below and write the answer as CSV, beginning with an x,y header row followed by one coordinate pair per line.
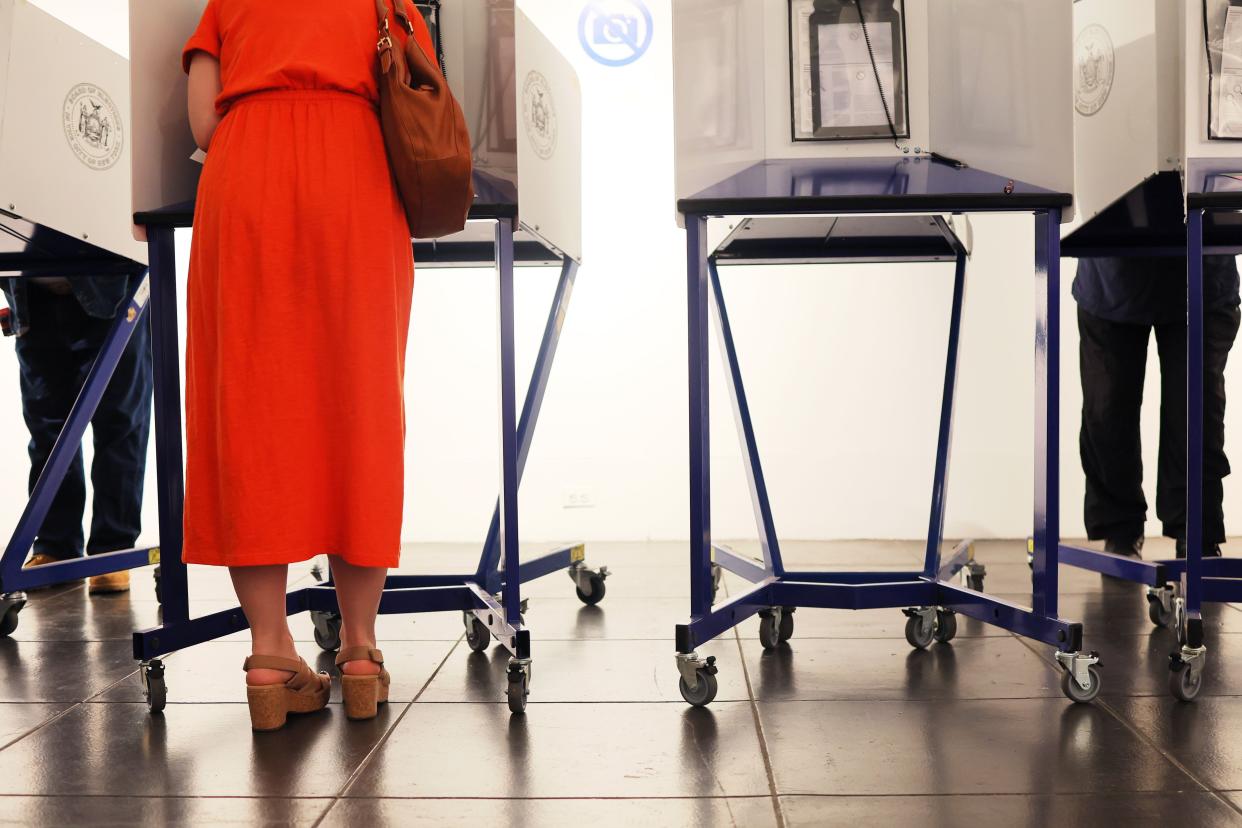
x,y
55,356
1113,363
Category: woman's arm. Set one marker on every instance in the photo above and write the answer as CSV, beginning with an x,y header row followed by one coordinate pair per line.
x,y
204,89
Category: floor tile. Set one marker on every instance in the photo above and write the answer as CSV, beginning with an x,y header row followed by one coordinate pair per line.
x,y
958,747
569,750
748,812
584,671
855,669
1202,736
126,811
17,719
211,673
1203,810
190,750
61,671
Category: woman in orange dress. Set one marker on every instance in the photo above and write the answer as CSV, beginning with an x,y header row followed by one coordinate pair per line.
x,y
301,276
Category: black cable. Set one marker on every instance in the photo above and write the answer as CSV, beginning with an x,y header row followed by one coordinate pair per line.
x,y
875,69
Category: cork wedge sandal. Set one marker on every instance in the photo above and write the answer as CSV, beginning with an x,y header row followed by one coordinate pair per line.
x,y
271,704
363,694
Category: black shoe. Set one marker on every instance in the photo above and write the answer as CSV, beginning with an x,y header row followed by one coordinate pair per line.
x,y
1212,550
1125,548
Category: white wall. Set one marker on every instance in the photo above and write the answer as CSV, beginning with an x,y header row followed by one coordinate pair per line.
x,y
843,366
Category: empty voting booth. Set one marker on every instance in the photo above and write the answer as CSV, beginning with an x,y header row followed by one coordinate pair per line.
x,y
66,144
825,131
523,106
1158,172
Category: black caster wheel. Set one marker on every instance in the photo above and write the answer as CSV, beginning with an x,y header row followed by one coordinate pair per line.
x,y
1182,684
327,630
787,624
478,637
1159,616
974,582
703,693
159,584
769,632
717,577
1078,694
919,636
153,686
946,626
517,691
8,624
595,595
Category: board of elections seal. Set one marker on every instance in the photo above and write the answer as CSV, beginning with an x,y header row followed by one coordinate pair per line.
x,y
539,114
93,126
1094,64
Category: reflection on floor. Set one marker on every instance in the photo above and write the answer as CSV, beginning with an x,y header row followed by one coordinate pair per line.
x,y
844,726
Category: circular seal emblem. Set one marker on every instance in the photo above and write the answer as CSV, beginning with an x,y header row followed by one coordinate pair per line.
x,y
93,126
539,114
1094,64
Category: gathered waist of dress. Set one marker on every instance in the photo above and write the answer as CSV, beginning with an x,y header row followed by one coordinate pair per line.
x,y
303,95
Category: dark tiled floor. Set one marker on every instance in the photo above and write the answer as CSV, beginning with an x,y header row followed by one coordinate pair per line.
x,y
844,726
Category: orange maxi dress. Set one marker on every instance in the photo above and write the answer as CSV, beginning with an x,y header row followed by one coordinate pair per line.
x,y
301,279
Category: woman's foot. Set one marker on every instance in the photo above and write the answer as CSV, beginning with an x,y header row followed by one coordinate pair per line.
x,y
364,681
277,686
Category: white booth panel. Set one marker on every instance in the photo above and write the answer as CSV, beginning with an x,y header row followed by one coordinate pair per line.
x,y
163,143
65,130
1001,84
778,97
718,90
550,138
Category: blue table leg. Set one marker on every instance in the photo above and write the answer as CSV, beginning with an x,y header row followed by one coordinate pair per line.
x,y
1047,411
746,431
170,485
935,529
1194,416
700,437
508,537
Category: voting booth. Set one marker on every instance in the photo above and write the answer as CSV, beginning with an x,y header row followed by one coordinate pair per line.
x,y
819,131
65,161
1158,172
523,106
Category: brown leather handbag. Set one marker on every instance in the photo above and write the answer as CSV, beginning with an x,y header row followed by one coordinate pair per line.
x,y
425,134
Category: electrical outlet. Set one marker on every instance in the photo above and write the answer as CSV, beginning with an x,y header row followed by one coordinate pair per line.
x,y
579,499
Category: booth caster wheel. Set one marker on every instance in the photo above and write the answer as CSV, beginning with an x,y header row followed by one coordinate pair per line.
x,y
519,686
327,629
698,678
946,626
11,606
478,636
927,624
1080,677
589,584
153,686
159,584
1186,673
717,577
776,626
1161,613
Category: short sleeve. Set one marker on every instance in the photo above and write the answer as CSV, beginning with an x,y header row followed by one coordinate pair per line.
x,y
206,37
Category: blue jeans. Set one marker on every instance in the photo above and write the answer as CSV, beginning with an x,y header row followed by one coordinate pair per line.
x,y
55,355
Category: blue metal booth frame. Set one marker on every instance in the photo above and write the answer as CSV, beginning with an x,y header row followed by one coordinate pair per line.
x,y
489,599
1150,221
866,210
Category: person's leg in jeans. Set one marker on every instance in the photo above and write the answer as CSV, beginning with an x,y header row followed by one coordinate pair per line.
x,y
1113,364
48,378
1219,331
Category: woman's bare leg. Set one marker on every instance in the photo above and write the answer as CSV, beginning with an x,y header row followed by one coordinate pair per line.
x,y
358,590
261,591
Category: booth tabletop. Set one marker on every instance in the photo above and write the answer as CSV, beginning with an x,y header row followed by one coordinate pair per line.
x,y
1214,184
494,198
867,185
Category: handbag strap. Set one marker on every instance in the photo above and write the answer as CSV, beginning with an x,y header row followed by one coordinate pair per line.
x,y
381,11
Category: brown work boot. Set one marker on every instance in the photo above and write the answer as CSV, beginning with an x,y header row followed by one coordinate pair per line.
x,y
39,559
109,583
